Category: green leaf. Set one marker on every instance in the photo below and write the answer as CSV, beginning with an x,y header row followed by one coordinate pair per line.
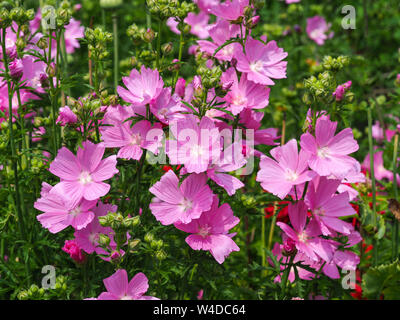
x,y
383,279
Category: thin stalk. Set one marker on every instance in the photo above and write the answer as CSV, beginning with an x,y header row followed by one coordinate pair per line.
x,y
263,260
395,236
116,61
286,276
181,43
158,46
12,139
371,157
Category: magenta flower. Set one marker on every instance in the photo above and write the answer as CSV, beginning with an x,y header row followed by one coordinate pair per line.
x,y
346,260
118,287
261,62
16,69
379,170
61,212
327,206
244,93
180,87
83,175
306,237
73,32
130,139
230,9
329,152
66,116
287,170
317,27
378,133
180,203
74,251
220,33
198,23
196,145
34,73
341,90
167,107
143,87
88,237
210,232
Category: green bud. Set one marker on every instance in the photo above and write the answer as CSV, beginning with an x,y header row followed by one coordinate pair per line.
x,y
167,48
104,240
161,255
148,237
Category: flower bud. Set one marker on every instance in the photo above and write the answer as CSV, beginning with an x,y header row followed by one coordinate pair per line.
x,y
167,48
107,4
149,35
103,240
148,237
16,69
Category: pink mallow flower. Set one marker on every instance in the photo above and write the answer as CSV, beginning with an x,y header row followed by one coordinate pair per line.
x,y
61,212
306,237
196,145
118,287
167,107
130,139
261,62
180,203
379,170
74,251
220,33
287,170
244,93
327,206
143,87
88,237
329,152
317,27
230,9
211,231
378,133
66,116
83,175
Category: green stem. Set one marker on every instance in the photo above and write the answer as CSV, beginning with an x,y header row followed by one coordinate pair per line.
x,y
158,46
14,159
181,43
395,236
371,157
286,276
116,61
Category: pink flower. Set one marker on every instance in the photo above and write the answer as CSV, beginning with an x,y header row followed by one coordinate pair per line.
x,y
16,69
378,133
66,116
210,232
261,62
34,72
61,212
83,175
118,287
317,27
198,23
306,237
230,9
379,170
130,139
287,170
244,93
327,206
167,107
329,152
72,248
180,203
88,237
200,295
346,260
180,87
220,33
341,90
143,87
196,145
73,32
